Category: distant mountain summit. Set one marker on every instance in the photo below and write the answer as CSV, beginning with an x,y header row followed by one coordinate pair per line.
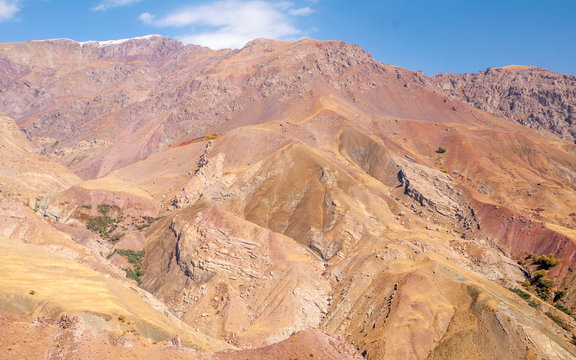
x,y
105,42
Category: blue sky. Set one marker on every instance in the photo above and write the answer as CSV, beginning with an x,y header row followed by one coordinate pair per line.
x,y
429,35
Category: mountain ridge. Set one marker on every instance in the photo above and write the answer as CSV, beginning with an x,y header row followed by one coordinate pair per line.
x,y
532,96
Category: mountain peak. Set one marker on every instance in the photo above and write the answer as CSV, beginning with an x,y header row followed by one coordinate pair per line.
x,y
103,43
120,41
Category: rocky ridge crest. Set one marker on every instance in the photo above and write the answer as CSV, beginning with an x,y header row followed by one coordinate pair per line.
x,y
532,96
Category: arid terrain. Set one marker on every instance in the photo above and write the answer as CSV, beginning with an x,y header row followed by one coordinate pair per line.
x,y
281,201
532,96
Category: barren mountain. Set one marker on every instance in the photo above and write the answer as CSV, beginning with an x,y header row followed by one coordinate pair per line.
x,y
284,200
532,96
23,173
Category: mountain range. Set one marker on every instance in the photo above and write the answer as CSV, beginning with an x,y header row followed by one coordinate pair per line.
x,y
281,201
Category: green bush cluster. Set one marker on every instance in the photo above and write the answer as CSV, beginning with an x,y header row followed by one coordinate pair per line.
x,y
546,261
146,222
135,275
563,309
539,274
104,209
441,150
526,296
559,295
558,321
134,258
115,238
103,225
543,294
544,286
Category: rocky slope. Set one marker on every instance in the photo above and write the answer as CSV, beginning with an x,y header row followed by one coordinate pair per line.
x,y
25,175
532,96
277,189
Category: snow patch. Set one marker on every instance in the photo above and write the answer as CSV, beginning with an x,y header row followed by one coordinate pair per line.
x,y
107,42
119,41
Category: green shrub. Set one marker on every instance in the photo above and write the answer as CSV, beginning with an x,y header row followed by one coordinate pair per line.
x,y
99,224
441,150
543,294
134,258
545,283
524,295
539,274
104,226
135,275
104,209
115,238
563,309
146,222
559,295
547,261
558,321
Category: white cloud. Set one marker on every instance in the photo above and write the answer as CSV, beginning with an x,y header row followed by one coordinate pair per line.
x,y
146,18
232,23
301,11
8,9
109,4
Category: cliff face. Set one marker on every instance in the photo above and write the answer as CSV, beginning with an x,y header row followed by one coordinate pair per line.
x,y
532,96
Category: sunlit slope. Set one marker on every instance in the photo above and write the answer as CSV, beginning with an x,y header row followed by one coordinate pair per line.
x,y
36,283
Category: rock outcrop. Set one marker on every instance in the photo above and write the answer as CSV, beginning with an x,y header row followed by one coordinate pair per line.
x,y
434,189
532,96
